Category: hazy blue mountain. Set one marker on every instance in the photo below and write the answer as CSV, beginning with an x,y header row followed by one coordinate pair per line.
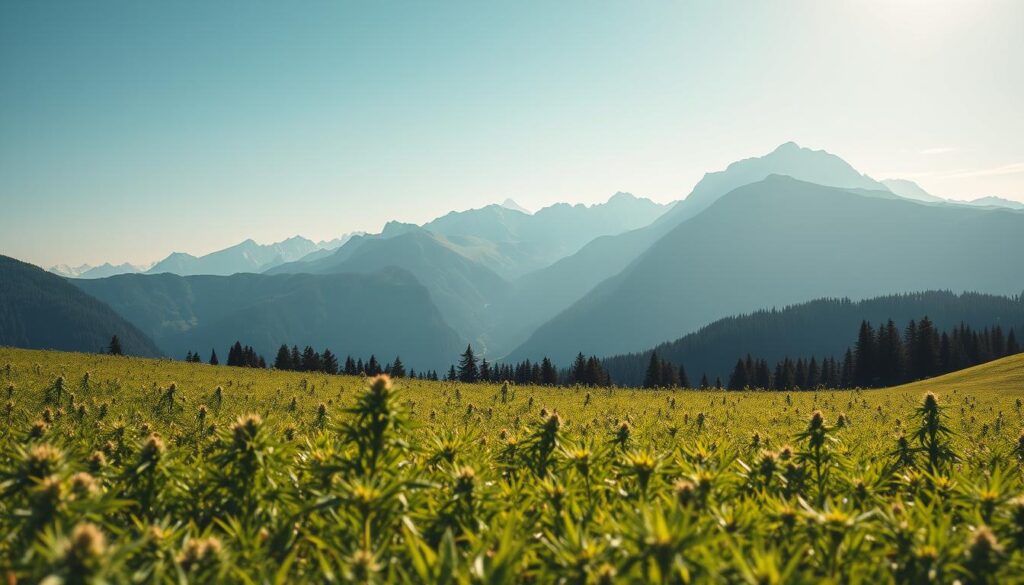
x,y
384,312
102,271
542,294
782,241
41,310
910,190
460,286
995,202
68,271
247,256
532,241
821,328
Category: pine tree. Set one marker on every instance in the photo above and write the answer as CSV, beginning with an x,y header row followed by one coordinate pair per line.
x,y
188,357
114,348
653,377
579,369
548,373
847,378
328,362
213,357
738,380
669,377
452,376
926,354
468,371
704,380
397,368
296,358
485,371
864,356
763,376
684,380
283,361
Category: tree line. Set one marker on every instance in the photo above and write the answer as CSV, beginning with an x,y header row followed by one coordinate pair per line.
x,y
585,371
824,327
882,356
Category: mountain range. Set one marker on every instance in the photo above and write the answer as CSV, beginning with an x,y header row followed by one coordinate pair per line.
x,y
781,241
787,227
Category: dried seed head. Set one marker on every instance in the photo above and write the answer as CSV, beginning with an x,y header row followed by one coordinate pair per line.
x,y
86,546
685,492
43,460
817,421
152,449
97,461
84,485
380,383
245,429
199,552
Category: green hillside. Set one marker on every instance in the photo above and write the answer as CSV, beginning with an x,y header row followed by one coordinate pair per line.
x,y
42,310
1005,376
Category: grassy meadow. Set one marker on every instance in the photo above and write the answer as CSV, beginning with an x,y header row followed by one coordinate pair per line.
x,y
116,469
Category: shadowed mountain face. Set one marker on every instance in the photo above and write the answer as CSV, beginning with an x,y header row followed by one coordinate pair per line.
x,y
821,328
782,241
542,294
459,285
383,313
44,311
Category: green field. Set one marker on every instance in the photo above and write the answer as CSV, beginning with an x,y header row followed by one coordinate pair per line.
x,y
125,469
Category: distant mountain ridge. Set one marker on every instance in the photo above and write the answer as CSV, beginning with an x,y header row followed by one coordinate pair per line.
x,y
782,241
40,310
533,241
247,256
102,271
542,294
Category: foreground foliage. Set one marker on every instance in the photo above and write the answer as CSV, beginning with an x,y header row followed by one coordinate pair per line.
x,y
118,469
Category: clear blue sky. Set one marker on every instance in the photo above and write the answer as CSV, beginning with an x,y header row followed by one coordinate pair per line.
x,y
131,129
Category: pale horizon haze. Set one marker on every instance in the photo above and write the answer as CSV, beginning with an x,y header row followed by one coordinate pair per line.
x,y
130,130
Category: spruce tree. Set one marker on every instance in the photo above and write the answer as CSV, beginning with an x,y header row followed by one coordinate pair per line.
x,y
397,368
548,373
684,380
739,379
213,357
283,361
114,348
653,377
864,356
328,362
468,371
579,369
